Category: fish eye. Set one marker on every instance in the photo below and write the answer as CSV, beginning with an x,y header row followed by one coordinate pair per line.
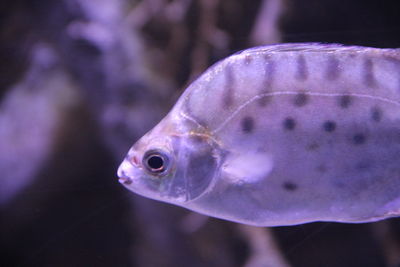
x,y
156,162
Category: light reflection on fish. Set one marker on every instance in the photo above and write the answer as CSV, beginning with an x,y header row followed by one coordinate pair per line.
x,y
280,135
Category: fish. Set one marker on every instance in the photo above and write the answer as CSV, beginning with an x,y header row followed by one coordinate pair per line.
x,y
279,135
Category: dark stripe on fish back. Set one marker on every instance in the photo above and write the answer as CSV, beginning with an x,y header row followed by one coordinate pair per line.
x,y
368,72
332,69
248,59
302,71
227,96
398,77
396,66
266,87
187,108
269,71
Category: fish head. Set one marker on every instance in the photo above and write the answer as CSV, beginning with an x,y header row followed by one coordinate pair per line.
x,y
170,164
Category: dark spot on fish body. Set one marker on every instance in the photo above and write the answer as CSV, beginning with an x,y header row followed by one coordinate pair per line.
x,y
247,124
322,168
368,72
332,69
289,186
329,126
289,124
302,71
363,165
359,139
312,147
345,101
300,100
376,114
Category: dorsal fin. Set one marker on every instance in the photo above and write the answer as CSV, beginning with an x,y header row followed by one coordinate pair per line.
x,y
318,47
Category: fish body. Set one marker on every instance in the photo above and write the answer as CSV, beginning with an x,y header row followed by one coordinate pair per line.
x,y
280,135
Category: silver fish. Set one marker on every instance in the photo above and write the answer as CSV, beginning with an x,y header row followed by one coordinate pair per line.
x,y
280,135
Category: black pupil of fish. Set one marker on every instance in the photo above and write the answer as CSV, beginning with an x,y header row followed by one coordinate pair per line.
x,y
156,163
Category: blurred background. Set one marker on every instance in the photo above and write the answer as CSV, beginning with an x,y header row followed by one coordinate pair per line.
x,y
82,80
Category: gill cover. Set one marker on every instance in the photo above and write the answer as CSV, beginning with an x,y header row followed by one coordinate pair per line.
x,y
196,166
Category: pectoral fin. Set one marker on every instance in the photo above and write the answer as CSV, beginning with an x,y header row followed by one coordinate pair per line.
x,y
247,167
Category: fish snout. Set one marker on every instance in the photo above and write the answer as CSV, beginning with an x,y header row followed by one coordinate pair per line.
x,y
123,173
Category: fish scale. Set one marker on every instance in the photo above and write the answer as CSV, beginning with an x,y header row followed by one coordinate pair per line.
x,y
280,135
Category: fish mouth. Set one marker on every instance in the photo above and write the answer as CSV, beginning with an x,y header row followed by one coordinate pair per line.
x,y
125,180
123,177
